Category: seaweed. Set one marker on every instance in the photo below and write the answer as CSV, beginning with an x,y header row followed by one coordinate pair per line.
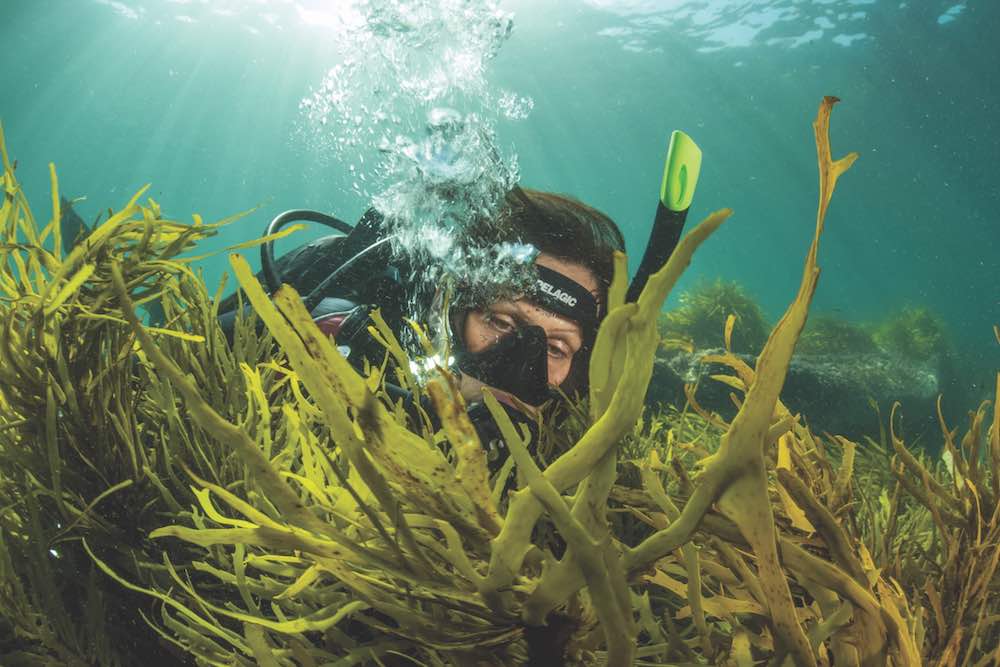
x,y
703,310
281,509
85,450
916,333
832,335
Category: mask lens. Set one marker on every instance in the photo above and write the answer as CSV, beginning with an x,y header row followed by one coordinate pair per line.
x,y
517,363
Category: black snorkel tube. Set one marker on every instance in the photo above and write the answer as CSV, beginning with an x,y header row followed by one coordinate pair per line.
x,y
680,176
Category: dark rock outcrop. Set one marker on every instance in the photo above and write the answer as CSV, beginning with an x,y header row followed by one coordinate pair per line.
x,y
834,393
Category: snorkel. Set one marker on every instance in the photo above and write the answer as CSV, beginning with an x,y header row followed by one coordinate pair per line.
x,y
680,176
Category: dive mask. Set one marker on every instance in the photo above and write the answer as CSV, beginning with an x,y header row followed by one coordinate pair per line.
x,y
518,362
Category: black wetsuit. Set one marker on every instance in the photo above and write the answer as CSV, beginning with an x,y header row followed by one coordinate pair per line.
x,y
341,279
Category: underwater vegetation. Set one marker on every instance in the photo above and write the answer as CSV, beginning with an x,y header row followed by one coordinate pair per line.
x,y
842,372
828,334
914,332
702,311
159,488
86,453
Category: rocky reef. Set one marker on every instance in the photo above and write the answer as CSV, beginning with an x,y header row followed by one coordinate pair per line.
x,y
843,378
836,393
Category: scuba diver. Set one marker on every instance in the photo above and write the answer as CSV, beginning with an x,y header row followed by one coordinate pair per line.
x,y
533,347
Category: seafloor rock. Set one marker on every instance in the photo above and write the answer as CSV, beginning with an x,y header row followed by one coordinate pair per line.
x,y
835,393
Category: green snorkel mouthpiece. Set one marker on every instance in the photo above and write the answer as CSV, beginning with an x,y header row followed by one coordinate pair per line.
x,y
680,172
680,176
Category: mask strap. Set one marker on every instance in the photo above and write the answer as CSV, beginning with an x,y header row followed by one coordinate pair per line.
x,y
566,297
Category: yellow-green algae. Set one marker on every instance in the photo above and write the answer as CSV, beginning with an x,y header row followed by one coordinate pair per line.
x,y
914,332
280,510
828,334
702,311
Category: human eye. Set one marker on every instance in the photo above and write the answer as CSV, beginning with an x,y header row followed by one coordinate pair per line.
x,y
559,350
501,323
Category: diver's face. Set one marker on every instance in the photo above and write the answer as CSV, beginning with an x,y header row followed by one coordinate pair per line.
x,y
485,327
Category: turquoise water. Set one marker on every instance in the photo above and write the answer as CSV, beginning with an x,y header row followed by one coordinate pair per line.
x,y
203,101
